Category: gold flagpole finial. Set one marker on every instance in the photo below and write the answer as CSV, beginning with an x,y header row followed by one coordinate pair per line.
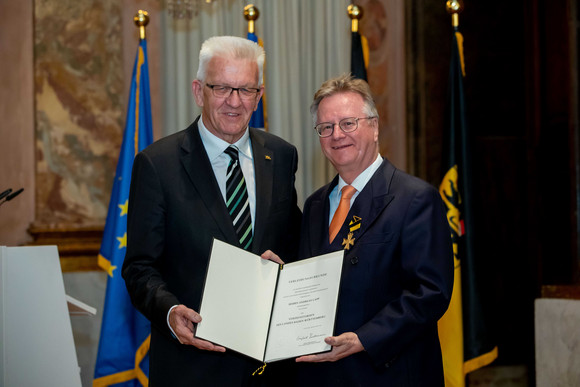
x,y
251,14
454,7
355,13
141,20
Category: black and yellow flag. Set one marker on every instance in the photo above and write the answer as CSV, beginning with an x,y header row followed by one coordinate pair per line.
x,y
358,59
359,49
465,343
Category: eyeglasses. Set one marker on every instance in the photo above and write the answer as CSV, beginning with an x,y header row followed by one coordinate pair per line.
x,y
347,125
221,91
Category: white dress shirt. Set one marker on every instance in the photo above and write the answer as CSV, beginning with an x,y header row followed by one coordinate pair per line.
x,y
359,183
215,147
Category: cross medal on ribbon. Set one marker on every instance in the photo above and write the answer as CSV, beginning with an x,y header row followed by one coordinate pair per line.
x,y
353,225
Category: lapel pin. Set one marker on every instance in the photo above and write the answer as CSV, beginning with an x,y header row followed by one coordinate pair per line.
x,y
354,225
348,241
268,157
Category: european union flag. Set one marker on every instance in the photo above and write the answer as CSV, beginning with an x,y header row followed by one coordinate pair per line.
x,y
257,120
125,333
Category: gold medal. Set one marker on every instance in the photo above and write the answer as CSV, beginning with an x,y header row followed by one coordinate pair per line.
x,y
349,241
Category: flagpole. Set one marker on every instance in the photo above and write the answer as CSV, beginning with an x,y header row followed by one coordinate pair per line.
x,y
251,13
259,118
454,7
141,20
359,53
355,13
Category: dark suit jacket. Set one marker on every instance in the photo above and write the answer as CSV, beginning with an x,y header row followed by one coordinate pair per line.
x,y
396,282
175,211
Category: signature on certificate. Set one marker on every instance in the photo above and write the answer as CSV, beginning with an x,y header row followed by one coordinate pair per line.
x,y
310,336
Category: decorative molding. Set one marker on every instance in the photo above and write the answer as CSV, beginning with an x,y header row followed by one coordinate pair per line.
x,y
78,246
571,292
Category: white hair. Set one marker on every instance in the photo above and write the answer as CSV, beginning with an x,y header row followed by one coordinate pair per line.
x,y
230,47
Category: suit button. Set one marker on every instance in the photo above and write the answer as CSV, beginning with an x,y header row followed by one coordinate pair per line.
x,y
354,260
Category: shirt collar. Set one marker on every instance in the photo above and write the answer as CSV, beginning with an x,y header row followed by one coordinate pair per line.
x,y
215,146
361,180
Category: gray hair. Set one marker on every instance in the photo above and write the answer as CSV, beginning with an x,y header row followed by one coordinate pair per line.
x,y
343,84
230,47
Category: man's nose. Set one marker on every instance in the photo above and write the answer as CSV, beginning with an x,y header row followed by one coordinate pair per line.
x,y
234,98
337,132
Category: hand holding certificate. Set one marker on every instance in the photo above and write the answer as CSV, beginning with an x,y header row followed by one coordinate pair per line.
x,y
267,311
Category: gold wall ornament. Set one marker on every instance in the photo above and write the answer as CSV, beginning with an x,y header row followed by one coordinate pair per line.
x,y
185,9
355,13
141,20
454,7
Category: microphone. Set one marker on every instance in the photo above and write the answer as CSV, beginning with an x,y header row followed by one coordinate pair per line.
x,y
9,195
14,194
5,193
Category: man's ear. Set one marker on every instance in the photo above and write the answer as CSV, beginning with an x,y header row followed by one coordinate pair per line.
x,y
197,90
260,94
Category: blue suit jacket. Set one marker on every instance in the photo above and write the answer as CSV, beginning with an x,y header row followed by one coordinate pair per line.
x,y
396,283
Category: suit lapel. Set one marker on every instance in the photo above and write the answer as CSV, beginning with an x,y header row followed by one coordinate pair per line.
x,y
373,199
369,204
264,177
198,167
320,208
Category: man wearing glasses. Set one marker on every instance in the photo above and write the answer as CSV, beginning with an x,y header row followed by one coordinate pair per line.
x,y
398,267
216,179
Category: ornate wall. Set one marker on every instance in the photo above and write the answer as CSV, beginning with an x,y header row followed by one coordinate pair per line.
x,y
83,57
383,24
79,109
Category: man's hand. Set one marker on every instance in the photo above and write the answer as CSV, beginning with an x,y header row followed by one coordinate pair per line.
x,y
269,254
181,320
342,346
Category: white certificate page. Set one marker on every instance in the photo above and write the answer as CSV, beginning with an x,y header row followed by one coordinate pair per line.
x,y
305,307
237,300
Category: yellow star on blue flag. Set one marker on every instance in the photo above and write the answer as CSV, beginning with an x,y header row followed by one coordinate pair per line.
x,y
124,207
122,241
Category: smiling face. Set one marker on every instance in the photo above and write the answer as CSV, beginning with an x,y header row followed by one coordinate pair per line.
x,y
227,118
350,153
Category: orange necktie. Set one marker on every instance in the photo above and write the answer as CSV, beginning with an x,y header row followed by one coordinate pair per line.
x,y
341,211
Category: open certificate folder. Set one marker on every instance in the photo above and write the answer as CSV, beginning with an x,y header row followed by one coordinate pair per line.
x,y
267,311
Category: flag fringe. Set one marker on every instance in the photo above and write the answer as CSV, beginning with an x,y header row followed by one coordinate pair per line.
x,y
105,264
480,361
125,376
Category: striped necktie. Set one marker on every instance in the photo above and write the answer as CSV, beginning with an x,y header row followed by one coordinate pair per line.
x,y
237,199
